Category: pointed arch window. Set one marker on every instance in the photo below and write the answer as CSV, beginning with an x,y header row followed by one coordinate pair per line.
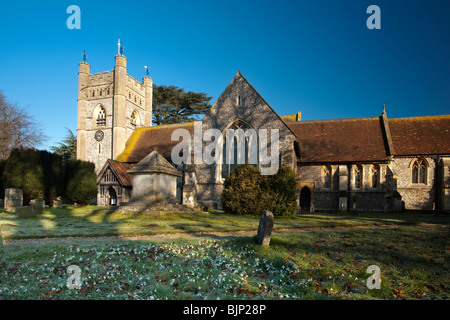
x,y
358,176
326,171
100,116
419,171
375,176
134,119
239,151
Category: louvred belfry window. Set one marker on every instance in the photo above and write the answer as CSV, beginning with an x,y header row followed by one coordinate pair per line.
x,y
101,117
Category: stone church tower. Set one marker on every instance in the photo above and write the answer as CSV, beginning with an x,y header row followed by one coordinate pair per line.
x,y
111,105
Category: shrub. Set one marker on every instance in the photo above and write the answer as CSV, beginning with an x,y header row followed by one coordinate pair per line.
x,y
81,181
283,189
36,172
246,191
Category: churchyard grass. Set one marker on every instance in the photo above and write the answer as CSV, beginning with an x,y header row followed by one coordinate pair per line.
x,y
91,221
315,264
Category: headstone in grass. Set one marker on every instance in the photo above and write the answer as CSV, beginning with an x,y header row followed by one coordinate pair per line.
x,y
58,203
13,199
38,205
265,228
26,212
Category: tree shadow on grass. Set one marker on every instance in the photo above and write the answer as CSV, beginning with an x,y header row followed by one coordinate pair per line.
x,y
69,221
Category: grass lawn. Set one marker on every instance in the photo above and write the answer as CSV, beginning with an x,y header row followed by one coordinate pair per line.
x,y
320,263
93,221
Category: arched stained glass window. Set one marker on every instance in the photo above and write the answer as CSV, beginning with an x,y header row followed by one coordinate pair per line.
x,y
240,150
375,172
358,176
327,177
419,171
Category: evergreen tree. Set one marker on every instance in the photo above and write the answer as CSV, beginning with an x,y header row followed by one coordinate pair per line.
x,y
67,148
174,105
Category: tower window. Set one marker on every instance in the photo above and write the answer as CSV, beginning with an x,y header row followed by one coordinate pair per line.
x,y
134,119
100,92
101,116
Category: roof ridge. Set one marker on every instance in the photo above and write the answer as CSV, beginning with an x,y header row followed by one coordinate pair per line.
x,y
421,117
171,124
339,119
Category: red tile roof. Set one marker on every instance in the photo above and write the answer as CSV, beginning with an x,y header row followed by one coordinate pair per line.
x,y
120,170
421,135
322,141
341,140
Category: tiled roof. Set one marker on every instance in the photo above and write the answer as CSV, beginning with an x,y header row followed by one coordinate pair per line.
x,y
341,140
144,140
154,162
421,135
121,169
322,141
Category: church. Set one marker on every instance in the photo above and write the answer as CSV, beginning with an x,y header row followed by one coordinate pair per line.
x,y
360,164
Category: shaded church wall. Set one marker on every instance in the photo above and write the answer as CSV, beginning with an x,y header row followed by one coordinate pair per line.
x,y
239,101
415,196
367,200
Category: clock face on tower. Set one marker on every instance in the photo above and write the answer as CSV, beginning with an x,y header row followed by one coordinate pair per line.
x,y
99,135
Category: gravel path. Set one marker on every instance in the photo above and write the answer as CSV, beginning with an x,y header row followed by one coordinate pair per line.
x,y
161,236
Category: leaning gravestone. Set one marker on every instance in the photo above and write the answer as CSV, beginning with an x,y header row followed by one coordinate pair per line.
x,y
265,228
13,199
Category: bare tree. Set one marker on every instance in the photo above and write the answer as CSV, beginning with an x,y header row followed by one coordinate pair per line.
x,y
18,128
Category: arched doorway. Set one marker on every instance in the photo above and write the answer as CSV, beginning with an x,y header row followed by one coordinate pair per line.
x,y
305,199
112,196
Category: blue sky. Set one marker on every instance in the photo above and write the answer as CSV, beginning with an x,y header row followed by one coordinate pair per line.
x,y
317,57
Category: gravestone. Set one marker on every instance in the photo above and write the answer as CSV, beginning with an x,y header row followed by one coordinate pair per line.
x,y
265,228
57,203
13,199
26,212
38,205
